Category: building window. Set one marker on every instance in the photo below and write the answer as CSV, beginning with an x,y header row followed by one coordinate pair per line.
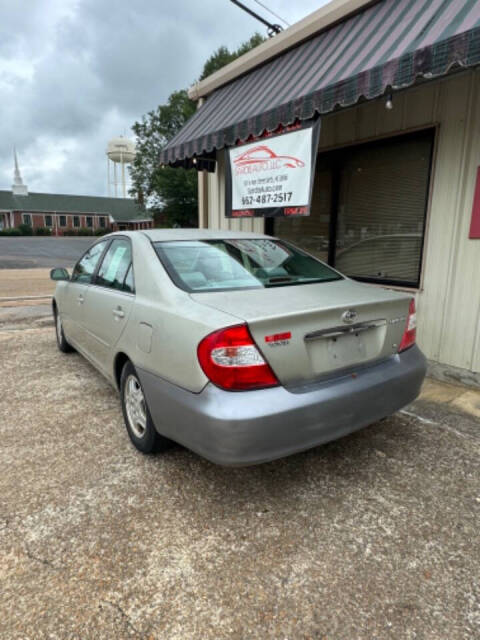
x,y
62,221
89,222
27,219
76,221
102,222
48,221
368,210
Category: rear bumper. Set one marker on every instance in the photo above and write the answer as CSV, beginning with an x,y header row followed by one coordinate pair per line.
x,y
251,427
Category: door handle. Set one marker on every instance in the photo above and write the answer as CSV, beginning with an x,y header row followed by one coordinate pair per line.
x,y
80,299
118,313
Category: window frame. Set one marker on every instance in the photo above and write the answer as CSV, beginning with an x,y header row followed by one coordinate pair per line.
x,y
76,219
94,282
62,226
87,218
335,155
30,219
45,220
130,267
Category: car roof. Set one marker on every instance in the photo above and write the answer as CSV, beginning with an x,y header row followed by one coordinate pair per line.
x,y
164,235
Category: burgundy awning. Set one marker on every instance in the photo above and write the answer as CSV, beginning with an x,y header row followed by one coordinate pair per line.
x,y
392,44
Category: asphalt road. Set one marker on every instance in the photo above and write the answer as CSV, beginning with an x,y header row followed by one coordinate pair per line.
x,y
374,536
26,252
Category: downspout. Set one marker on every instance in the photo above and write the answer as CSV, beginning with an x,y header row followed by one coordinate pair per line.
x,y
202,190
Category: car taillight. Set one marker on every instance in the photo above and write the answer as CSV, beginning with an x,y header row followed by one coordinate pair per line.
x,y
410,333
231,360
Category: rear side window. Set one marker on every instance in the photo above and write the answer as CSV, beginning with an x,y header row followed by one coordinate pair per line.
x,y
85,267
116,266
222,265
129,284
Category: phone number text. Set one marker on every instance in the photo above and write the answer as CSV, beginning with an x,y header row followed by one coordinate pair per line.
x,y
267,198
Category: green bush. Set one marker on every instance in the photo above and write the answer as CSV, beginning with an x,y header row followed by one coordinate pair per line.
x,y
70,232
43,231
83,231
101,232
25,230
10,232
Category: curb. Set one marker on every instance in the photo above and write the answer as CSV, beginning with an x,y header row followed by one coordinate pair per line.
x,y
20,298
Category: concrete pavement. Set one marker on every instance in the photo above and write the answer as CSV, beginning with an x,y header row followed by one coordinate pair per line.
x,y
374,536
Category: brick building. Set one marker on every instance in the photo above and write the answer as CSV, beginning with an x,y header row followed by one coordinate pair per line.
x,y
65,213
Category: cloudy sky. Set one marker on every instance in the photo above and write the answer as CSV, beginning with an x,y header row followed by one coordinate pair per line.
x,y
74,73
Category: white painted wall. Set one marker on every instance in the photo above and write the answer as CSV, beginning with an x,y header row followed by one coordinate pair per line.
x,y
449,299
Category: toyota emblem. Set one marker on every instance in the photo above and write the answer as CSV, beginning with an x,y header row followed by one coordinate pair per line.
x,y
349,316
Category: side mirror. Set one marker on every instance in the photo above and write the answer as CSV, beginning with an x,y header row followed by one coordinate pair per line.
x,y
59,274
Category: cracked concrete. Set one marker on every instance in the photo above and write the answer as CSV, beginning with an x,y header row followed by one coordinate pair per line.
x,y
374,536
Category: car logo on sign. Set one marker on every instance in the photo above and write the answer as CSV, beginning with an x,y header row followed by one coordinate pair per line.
x,y
349,316
267,158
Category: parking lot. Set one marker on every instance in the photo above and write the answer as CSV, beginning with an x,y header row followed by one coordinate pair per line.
x,y
25,264
30,252
373,536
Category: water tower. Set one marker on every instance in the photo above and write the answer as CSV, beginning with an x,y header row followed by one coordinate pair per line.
x,y
120,151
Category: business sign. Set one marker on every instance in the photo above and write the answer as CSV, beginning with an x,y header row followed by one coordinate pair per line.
x,y
272,176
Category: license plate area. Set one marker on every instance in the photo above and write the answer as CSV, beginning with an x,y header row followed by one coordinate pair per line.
x,y
340,347
346,348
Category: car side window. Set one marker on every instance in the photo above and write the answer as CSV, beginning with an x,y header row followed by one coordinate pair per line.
x,y
129,283
85,267
115,265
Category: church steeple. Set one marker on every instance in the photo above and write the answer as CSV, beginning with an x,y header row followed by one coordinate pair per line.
x,y
18,188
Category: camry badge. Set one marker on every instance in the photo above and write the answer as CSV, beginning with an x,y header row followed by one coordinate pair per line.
x,y
349,316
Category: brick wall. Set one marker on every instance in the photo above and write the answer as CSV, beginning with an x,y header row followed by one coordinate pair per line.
x,y
38,220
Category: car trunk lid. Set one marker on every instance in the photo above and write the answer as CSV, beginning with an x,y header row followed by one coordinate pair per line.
x,y
308,332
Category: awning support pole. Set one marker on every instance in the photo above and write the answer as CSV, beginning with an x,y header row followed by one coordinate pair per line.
x,y
202,191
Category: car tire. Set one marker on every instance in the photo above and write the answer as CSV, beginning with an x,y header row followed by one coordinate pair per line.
x,y
136,414
62,342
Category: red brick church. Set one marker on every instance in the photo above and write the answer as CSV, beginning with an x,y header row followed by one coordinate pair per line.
x,y
66,213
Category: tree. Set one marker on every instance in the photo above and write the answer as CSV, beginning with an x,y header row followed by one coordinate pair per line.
x,y
172,193
223,56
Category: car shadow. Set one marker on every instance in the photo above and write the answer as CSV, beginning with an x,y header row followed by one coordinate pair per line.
x,y
376,454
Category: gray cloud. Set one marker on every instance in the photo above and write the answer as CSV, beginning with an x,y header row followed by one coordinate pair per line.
x,y
74,73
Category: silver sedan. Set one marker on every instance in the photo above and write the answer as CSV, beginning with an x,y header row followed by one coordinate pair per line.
x,y
239,346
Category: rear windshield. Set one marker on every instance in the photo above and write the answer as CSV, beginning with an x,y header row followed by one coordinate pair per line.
x,y
220,265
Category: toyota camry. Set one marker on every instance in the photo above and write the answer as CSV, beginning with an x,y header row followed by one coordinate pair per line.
x,y
239,346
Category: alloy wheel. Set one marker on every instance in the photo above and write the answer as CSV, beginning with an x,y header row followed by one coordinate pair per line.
x,y
135,406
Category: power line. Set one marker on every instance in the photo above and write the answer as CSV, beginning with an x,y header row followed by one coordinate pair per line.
x,y
272,29
272,12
